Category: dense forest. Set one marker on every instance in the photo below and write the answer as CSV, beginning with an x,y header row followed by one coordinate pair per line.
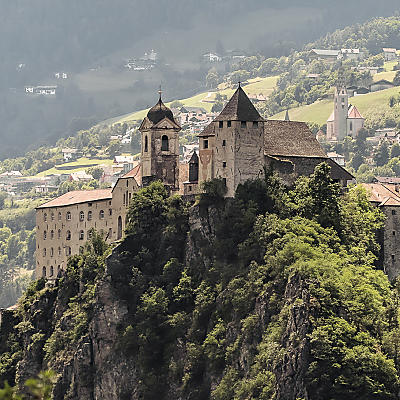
x,y
275,294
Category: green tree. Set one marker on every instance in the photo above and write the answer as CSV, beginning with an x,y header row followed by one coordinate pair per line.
x,y
381,156
3,196
396,79
114,148
395,150
96,172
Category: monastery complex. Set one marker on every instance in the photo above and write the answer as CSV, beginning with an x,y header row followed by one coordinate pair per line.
x,y
236,146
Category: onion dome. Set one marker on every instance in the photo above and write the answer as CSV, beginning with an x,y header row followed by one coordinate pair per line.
x,y
159,112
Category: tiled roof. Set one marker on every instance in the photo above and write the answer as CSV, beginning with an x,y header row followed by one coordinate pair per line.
x,y
387,179
354,113
209,130
289,138
135,173
239,108
323,52
78,196
384,194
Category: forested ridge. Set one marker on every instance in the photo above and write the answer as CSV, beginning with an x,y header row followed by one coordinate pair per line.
x,y
275,294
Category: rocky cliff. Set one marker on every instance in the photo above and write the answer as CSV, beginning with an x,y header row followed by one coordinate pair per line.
x,y
222,300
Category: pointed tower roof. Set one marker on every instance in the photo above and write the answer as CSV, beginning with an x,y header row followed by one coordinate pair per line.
x,y
287,118
239,108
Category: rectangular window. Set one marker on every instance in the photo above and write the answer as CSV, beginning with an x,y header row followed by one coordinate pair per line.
x,y
224,164
224,143
243,124
221,124
255,124
224,180
394,233
229,124
205,144
392,257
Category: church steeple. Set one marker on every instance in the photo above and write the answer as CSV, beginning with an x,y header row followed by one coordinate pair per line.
x,y
160,146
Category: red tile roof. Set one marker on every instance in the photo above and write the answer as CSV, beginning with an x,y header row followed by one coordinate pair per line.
x,y
354,113
78,197
384,194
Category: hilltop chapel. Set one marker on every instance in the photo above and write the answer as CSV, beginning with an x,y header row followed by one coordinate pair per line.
x,y
235,147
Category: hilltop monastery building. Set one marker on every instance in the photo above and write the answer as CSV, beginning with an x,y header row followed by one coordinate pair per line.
x,y
236,147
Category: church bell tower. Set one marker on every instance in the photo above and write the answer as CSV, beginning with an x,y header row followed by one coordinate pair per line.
x,y
160,147
341,108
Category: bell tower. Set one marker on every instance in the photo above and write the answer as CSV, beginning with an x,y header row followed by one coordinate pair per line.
x,y
341,108
160,147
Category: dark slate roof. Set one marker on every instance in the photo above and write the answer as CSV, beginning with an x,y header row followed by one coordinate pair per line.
x,y
239,108
289,138
159,112
209,130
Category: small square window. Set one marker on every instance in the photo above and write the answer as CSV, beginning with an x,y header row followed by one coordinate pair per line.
x,y
205,144
224,143
89,204
393,212
229,124
224,180
243,124
221,124
224,164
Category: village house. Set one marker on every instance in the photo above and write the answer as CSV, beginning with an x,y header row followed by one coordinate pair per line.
x,y
70,154
390,54
324,55
382,84
212,57
338,158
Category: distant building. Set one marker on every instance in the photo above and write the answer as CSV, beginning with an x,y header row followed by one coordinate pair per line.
x,y
382,84
41,90
351,54
61,75
326,55
338,158
70,154
212,57
390,54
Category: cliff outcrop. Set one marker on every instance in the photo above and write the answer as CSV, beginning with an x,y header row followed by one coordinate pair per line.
x,y
221,300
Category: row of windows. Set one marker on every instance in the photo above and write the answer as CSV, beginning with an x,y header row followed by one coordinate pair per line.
x,y
68,215
68,235
51,271
205,143
243,124
51,251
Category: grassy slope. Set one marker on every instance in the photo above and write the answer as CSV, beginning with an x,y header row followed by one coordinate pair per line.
x,y
319,111
84,162
255,86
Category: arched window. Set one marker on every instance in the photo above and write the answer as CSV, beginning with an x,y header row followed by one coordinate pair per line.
x,y
52,234
59,234
164,143
90,234
51,252
89,215
45,217
68,235
101,215
59,251
81,216
51,270
68,251
44,272
146,144
52,216
59,216
44,252
81,235
44,235
68,216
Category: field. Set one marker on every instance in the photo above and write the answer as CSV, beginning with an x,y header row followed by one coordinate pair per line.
x,y
79,165
254,86
320,111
